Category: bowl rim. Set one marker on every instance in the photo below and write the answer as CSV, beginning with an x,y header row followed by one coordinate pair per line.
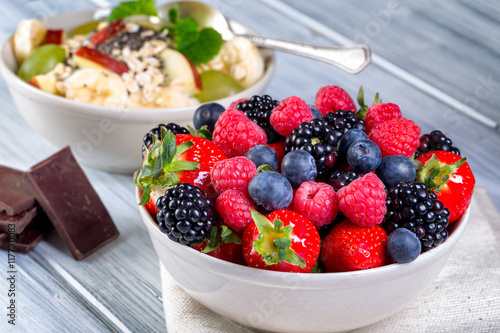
x,y
311,280
65,105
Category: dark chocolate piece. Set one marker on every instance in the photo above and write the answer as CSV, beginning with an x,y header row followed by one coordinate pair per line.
x,y
14,196
29,238
71,203
20,221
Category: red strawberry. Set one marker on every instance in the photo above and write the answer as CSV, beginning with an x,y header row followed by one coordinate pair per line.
x,y
333,98
450,177
289,114
281,241
232,174
399,136
379,113
351,247
234,209
363,200
176,158
316,201
223,244
235,133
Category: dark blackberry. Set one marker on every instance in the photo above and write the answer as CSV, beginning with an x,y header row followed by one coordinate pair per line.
x,y
343,121
184,214
259,109
319,139
412,206
339,179
171,127
435,140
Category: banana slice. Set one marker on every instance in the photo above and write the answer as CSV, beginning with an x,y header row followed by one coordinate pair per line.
x,y
241,59
95,86
161,97
29,35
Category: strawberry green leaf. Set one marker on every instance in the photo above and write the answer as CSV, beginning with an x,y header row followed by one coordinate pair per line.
x,y
183,166
274,242
146,195
435,175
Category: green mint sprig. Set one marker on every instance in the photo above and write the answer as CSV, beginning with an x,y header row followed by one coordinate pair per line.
x,y
129,8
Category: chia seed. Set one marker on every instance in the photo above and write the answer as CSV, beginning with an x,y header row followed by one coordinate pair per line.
x,y
134,40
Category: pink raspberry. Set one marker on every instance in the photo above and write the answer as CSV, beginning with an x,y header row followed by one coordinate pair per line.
x,y
380,112
232,174
236,102
316,201
289,113
399,136
234,209
235,133
333,98
363,200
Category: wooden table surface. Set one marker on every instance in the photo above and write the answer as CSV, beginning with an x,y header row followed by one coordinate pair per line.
x,y
439,61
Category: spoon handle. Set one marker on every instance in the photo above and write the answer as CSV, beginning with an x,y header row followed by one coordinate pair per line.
x,y
352,59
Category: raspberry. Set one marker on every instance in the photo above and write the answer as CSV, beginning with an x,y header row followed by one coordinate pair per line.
x,y
234,209
232,174
363,201
333,98
289,113
316,201
396,137
235,134
379,113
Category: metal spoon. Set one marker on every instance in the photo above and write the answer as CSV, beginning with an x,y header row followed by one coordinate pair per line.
x,y
352,59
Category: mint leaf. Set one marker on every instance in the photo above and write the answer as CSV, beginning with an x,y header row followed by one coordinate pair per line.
x,y
204,48
129,8
174,14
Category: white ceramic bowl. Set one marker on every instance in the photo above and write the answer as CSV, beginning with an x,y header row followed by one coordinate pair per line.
x,y
291,302
100,137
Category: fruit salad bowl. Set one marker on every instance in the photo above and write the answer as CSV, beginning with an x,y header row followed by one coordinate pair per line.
x,y
297,302
106,138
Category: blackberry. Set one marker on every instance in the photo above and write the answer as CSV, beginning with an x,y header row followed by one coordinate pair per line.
x,y
259,109
156,131
412,206
339,179
342,121
435,140
319,139
184,214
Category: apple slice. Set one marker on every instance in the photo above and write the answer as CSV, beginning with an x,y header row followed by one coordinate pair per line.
x,y
90,58
181,72
104,34
54,36
45,82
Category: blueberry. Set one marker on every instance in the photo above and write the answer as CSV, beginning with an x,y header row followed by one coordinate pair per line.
x,y
315,112
298,166
262,154
207,114
395,169
271,190
364,156
349,138
403,245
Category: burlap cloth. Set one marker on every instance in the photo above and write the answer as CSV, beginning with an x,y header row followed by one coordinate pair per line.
x,y
464,298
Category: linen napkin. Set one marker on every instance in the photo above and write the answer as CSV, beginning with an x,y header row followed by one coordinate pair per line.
x,y
465,297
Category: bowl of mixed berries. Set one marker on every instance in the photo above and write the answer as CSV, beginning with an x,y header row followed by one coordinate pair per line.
x,y
297,217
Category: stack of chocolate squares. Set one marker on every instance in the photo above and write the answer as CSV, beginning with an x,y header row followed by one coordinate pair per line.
x,y
54,193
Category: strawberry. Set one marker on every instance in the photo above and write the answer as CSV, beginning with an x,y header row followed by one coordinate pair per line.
x,y
351,247
279,148
450,177
222,244
177,158
281,241
333,98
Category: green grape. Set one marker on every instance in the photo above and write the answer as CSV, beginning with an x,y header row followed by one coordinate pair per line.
x,y
42,60
217,85
84,29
